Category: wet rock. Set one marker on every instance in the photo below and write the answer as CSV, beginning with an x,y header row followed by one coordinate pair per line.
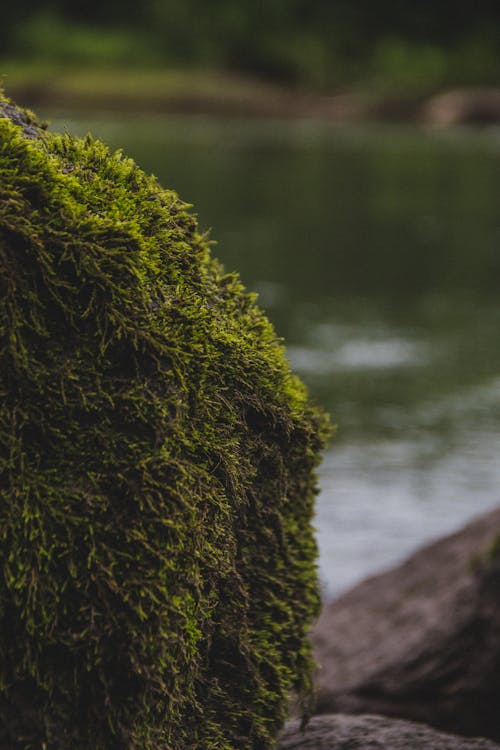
x,y
343,732
421,641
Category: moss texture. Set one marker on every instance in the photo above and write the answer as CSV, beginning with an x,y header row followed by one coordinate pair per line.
x,y
156,469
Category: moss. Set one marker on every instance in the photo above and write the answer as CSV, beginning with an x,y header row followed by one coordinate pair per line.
x,y
156,470
488,559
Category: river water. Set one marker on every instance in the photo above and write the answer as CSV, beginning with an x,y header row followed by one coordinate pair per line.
x,y
376,252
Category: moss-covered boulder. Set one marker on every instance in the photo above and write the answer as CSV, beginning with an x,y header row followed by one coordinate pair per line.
x,y
156,470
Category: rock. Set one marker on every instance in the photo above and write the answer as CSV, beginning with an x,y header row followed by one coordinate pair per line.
x,y
463,107
342,732
421,641
31,129
156,469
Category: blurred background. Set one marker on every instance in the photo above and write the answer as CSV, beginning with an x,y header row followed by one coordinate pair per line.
x,y
335,149
390,46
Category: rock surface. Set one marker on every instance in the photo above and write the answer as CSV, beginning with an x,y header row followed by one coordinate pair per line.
x,y
20,117
421,641
343,732
463,107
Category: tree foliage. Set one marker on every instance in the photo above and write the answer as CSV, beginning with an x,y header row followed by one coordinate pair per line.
x,y
304,41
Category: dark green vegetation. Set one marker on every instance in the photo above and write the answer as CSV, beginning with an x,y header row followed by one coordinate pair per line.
x,y
400,45
156,470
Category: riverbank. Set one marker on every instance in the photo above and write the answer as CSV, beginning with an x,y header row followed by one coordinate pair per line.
x,y
216,93
183,92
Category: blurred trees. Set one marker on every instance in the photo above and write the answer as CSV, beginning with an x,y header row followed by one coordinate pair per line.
x,y
311,42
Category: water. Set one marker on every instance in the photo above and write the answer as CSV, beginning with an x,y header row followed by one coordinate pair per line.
x,y
376,252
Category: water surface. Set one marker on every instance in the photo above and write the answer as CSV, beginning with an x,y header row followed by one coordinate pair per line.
x,y
376,252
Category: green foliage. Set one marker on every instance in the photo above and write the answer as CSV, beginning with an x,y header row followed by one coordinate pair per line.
x,y
156,470
402,66
46,36
312,43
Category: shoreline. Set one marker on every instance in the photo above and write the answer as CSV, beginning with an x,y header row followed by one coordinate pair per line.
x,y
190,92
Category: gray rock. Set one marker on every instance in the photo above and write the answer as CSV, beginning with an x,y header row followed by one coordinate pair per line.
x,y
421,641
343,732
20,117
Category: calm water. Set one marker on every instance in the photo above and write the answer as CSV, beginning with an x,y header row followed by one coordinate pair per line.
x,y
377,255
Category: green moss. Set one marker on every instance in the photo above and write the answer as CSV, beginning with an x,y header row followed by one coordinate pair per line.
x,y
488,558
156,470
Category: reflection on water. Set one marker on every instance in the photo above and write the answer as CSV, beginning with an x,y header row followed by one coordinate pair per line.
x,y
352,352
376,253
381,500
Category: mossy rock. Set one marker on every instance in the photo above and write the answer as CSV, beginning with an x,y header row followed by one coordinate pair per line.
x,y
156,470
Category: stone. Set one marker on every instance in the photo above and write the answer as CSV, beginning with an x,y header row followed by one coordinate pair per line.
x,y
157,464
463,107
343,732
421,641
